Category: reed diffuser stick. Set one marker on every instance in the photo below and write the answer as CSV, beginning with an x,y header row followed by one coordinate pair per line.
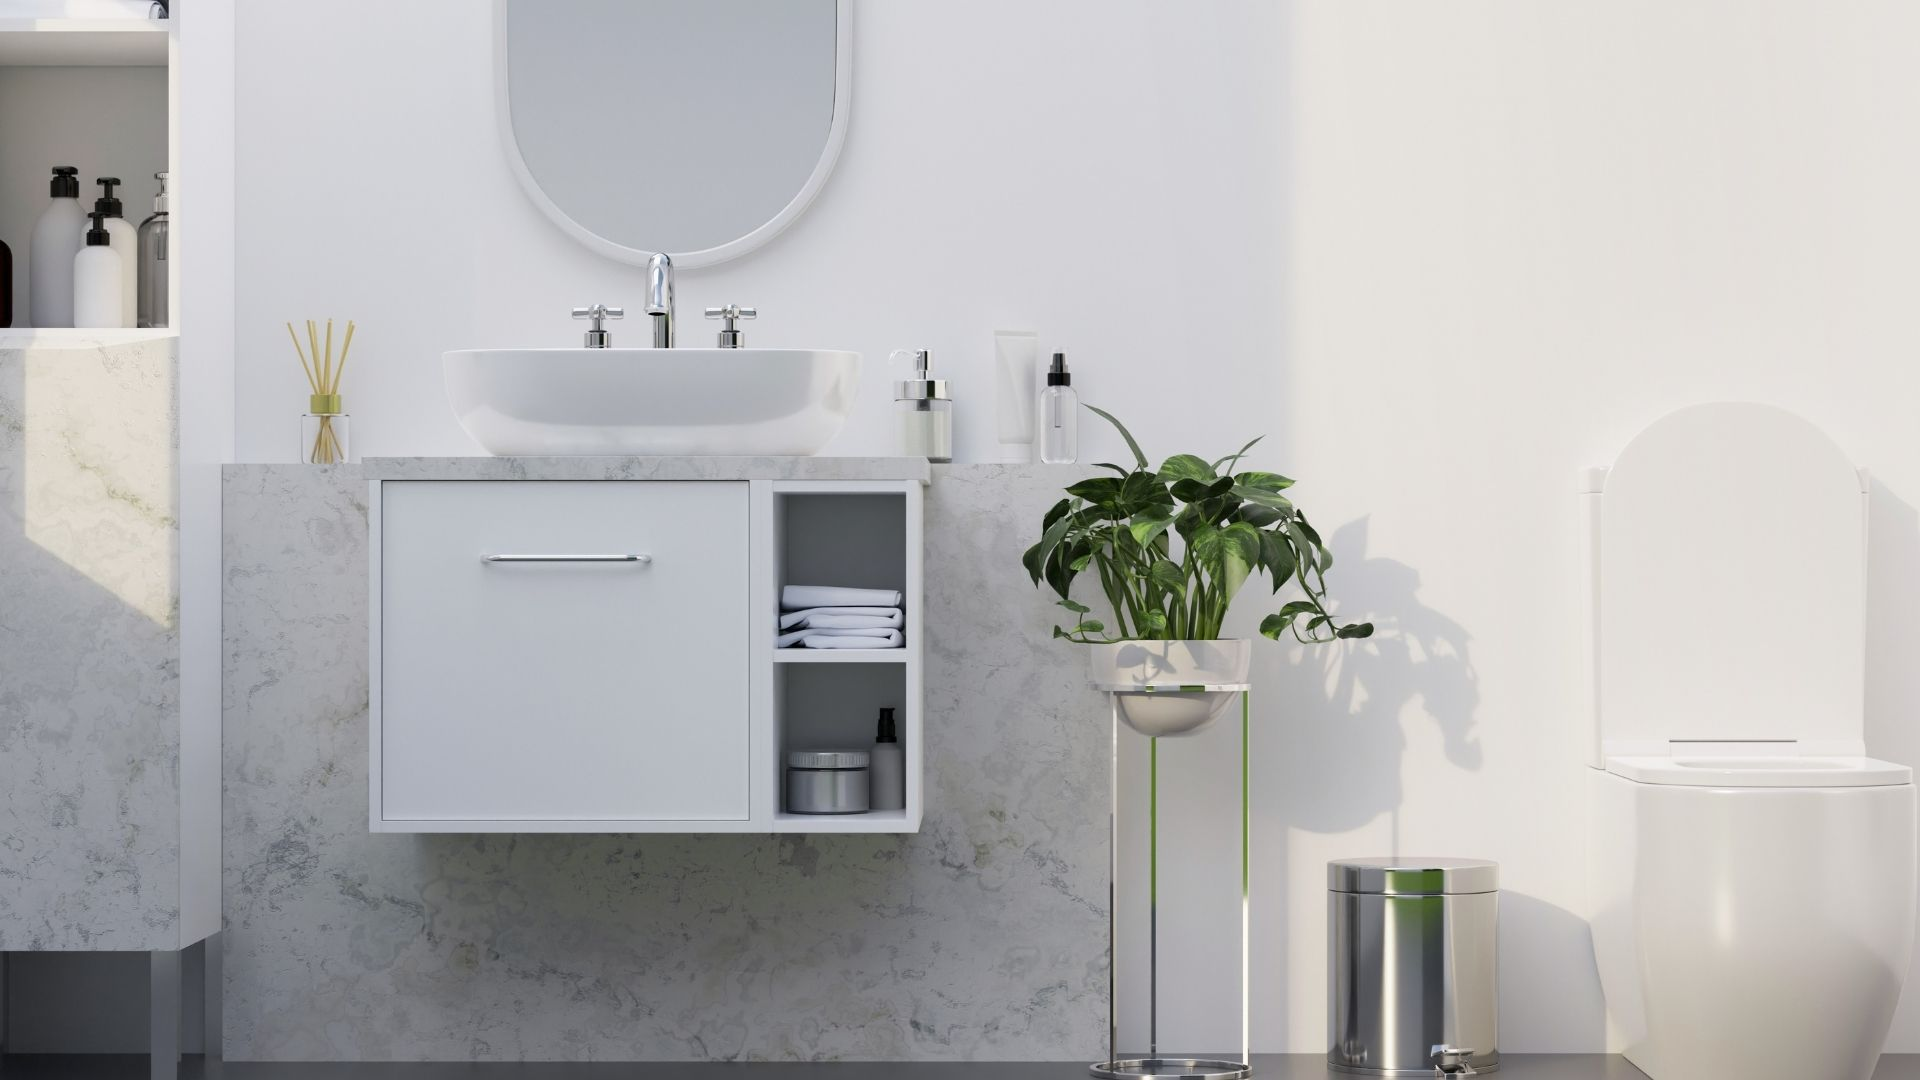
x,y
323,379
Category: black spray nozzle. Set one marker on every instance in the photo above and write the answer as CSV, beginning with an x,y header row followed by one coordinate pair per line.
x,y
888,733
66,182
97,236
1057,374
107,203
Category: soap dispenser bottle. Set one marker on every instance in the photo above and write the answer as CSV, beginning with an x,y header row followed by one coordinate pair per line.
x,y
125,240
57,238
96,279
150,308
925,409
1059,415
887,768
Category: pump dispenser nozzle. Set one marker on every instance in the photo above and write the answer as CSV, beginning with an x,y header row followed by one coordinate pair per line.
x,y
108,203
66,182
98,236
1057,373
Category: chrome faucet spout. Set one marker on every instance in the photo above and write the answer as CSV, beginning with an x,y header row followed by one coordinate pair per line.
x,y
660,299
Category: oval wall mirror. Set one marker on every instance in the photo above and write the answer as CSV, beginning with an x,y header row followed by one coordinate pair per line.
x,y
700,128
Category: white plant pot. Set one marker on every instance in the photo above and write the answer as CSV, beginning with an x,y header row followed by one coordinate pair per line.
x,y
1165,711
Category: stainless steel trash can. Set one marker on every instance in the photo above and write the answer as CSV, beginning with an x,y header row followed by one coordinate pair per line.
x,y
1410,966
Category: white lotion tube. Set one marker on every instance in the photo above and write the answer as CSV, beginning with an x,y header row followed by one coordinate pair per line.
x,y
1016,356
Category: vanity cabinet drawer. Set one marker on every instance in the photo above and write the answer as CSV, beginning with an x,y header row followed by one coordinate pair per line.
x,y
562,651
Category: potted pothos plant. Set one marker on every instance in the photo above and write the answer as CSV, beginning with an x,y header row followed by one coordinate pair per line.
x,y
1170,548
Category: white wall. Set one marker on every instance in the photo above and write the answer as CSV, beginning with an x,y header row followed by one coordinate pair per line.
x,y
1102,178
1444,254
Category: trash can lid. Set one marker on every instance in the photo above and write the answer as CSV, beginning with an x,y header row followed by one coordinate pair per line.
x,y
1413,876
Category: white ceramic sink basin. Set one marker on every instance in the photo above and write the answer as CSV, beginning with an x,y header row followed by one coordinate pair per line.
x,y
651,401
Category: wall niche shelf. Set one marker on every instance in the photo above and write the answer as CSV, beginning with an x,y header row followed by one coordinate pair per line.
x,y
628,696
83,42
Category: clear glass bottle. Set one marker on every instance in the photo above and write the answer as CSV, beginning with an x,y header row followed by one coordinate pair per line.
x,y
1059,415
325,431
925,410
151,286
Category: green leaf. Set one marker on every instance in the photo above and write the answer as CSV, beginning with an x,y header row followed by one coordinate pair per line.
x,y
1261,497
1099,490
1325,557
1231,461
1149,523
1111,465
1239,554
1189,490
1089,626
1186,467
1357,630
1220,487
1138,457
1031,560
1074,606
1272,626
1144,489
1154,621
1266,481
1296,607
1167,574
1277,556
1059,511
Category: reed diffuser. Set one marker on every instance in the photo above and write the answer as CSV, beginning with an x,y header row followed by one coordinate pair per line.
x,y
324,428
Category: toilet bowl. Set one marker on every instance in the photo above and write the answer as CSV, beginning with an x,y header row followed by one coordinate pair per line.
x,y
1751,869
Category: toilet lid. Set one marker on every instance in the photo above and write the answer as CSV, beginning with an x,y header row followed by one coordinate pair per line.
x,y
1722,771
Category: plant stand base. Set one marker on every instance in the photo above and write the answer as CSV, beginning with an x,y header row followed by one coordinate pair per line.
x,y
1155,1065
1171,1069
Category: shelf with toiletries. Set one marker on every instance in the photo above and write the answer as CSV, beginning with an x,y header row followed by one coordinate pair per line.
x,y
87,114
848,758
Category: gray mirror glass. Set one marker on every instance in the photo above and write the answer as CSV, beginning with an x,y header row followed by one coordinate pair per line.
x,y
695,127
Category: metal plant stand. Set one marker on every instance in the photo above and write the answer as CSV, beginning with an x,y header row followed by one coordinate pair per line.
x,y
1154,1066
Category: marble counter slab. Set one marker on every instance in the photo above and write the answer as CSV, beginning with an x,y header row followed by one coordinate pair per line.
x,y
645,468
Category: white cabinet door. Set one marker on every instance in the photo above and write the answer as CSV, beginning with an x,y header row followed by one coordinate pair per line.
x,y
568,690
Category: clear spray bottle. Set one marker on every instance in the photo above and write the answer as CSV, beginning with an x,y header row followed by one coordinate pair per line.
x,y
1059,415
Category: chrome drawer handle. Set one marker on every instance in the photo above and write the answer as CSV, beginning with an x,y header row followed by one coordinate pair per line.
x,y
567,558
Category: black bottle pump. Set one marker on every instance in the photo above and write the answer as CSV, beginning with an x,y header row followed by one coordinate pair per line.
x,y
66,182
888,732
97,236
108,204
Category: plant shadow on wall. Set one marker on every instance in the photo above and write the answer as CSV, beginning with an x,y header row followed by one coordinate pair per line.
x,y
1348,709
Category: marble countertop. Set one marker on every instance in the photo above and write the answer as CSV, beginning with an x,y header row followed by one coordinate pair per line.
x,y
639,468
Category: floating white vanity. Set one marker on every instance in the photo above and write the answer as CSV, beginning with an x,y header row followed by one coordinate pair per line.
x,y
587,644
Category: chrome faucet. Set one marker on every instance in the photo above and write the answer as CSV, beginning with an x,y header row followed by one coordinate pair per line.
x,y
660,299
597,335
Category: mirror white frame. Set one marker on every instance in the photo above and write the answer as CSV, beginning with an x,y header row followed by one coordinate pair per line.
x,y
732,249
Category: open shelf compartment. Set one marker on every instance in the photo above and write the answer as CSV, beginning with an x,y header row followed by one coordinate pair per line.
x,y
862,535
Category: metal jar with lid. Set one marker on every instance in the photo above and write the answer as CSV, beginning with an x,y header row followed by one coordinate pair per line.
x,y
1410,966
827,782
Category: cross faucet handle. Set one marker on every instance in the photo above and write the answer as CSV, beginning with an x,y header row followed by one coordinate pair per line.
x,y
597,336
731,336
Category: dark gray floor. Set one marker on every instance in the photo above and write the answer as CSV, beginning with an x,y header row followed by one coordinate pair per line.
x,y
1266,1067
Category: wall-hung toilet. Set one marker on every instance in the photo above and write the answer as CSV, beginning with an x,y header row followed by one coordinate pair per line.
x,y
1752,870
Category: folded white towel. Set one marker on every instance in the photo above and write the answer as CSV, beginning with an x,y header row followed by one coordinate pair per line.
x,y
853,622
799,618
796,597
868,639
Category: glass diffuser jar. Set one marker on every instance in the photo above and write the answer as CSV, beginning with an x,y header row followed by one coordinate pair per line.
x,y
324,432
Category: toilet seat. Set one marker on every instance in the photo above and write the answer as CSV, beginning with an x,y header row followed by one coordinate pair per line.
x,y
1729,771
